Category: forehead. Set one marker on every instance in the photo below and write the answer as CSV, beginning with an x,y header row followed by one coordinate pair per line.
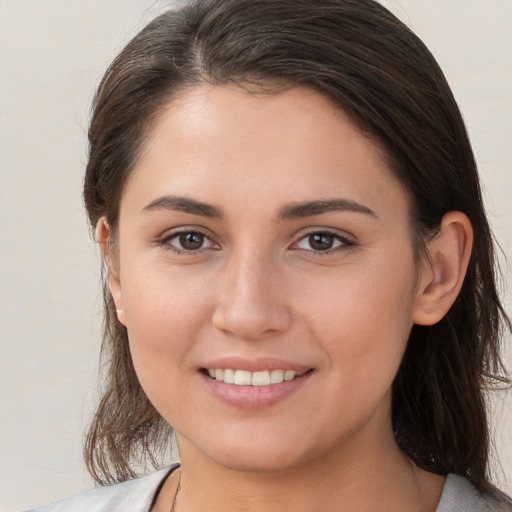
x,y
225,141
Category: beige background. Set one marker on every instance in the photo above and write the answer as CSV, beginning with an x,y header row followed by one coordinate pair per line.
x,y
52,54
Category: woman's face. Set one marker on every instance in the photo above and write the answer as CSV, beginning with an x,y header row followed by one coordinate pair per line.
x,y
262,238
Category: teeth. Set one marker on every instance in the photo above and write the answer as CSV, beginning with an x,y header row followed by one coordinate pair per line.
x,y
261,378
276,376
242,378
289,375
245,378
229,376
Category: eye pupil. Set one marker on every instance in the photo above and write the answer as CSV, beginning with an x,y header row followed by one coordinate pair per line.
x,y
321,242
191,241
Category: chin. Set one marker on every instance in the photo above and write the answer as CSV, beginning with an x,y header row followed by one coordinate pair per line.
x,y
257,461
257,453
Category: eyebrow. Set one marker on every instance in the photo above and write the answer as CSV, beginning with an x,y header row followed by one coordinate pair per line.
x,y
310,208
184,204
288,212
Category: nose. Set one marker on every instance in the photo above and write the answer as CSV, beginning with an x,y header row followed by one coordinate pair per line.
x,y
251,301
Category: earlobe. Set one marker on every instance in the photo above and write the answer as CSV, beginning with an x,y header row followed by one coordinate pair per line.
x,y
103,235
442,276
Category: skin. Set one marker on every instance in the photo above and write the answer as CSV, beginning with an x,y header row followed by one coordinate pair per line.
x,y
259,287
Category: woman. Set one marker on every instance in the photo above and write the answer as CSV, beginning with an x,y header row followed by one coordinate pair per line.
x,y
299,271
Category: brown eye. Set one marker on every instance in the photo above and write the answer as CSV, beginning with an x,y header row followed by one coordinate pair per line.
x,y
188,241
191,241
321,241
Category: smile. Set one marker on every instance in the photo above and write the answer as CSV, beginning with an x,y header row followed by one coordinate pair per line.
x,y
245,389
246,378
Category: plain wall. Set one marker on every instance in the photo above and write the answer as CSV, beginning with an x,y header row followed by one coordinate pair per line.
x,y
52,55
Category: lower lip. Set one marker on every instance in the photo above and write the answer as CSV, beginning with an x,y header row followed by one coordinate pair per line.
x,y
254,397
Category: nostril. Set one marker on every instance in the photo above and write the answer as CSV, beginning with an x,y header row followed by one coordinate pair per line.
x,y
251,323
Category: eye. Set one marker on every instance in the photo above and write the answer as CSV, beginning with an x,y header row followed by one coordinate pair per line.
x,y
188,241
322,241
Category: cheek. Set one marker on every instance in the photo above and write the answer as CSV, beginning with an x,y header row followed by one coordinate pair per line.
x,y
164,318
363,321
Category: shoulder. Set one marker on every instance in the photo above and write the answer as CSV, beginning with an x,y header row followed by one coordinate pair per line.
x,y
133,495
460,494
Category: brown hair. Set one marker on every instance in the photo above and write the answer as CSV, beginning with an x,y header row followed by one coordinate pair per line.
x,y
380,74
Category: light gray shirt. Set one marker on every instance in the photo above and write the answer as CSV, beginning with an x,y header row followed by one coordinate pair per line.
x,y
459,495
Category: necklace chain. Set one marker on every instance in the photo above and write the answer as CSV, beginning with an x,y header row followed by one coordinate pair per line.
x,y
173,508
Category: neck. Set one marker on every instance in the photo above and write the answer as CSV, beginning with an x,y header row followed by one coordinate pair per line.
x,y
366,476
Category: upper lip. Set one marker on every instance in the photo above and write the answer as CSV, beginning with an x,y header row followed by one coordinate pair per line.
x,y
254,365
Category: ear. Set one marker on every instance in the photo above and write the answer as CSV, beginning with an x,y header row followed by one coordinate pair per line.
x,y
442,276
103,236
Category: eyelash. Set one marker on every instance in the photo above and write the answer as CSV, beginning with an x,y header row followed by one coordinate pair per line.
x,y
344,242
177,234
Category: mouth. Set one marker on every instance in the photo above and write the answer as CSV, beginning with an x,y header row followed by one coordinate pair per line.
x,y
247,378
256,384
